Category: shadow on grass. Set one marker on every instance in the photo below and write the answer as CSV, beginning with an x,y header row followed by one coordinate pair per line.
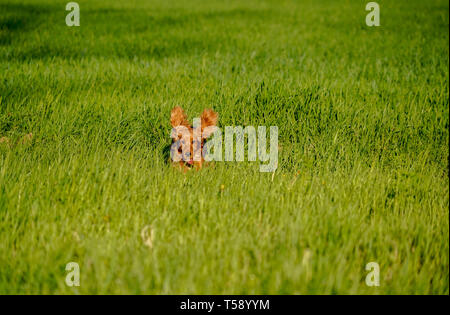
x,y
126,33
16,19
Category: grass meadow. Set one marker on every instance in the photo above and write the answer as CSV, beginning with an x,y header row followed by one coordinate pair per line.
x,y
363,118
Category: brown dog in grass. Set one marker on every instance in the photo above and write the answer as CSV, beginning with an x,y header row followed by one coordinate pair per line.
x,y
188,141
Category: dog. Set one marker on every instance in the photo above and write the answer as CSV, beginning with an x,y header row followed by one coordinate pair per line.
x,y
184,135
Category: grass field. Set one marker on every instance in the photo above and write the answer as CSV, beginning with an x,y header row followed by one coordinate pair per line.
x,y
363,118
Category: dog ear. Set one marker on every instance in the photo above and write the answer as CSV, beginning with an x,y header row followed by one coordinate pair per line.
x,y
209,119
178,117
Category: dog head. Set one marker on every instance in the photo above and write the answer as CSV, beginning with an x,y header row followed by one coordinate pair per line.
x,y
188,141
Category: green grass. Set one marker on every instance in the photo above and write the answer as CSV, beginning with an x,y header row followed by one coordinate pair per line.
x,y
363,165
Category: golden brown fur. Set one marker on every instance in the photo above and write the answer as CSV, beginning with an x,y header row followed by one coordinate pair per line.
x,y
178,118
